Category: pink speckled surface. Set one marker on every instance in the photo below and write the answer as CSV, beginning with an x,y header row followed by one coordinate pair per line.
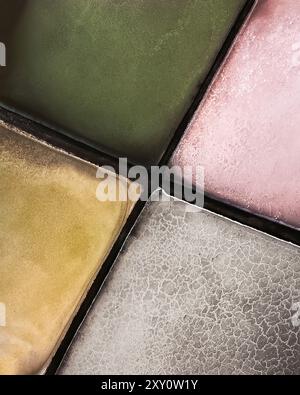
x,y
246,133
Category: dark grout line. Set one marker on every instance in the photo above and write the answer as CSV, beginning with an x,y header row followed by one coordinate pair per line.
x,y
244,217
58,140
240,21
95,289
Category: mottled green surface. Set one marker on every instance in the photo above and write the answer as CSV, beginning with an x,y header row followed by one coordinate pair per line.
x,y
119,74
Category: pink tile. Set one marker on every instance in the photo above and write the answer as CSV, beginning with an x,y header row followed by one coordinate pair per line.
x,y
246,133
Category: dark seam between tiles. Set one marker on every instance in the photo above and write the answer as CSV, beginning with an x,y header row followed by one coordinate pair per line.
x,y
203,88
244,217
58,140
94,289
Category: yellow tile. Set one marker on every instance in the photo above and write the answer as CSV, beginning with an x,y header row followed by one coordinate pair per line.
x,y
54,237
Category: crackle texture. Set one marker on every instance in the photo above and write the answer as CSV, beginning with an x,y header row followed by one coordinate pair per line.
x,y
54,237
118,74
246,133
193,293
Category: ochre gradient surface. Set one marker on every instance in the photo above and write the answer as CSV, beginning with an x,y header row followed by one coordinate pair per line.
x,y
54,237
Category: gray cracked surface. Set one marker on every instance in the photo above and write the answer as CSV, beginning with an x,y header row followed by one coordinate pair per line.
x,y
193,293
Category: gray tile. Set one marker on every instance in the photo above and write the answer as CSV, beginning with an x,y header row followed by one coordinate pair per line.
x,y
194,293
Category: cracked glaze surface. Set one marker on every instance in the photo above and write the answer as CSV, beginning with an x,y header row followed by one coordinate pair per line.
x,y
193,293
246,133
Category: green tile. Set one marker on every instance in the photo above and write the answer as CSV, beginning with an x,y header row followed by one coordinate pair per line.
x,y
118,74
